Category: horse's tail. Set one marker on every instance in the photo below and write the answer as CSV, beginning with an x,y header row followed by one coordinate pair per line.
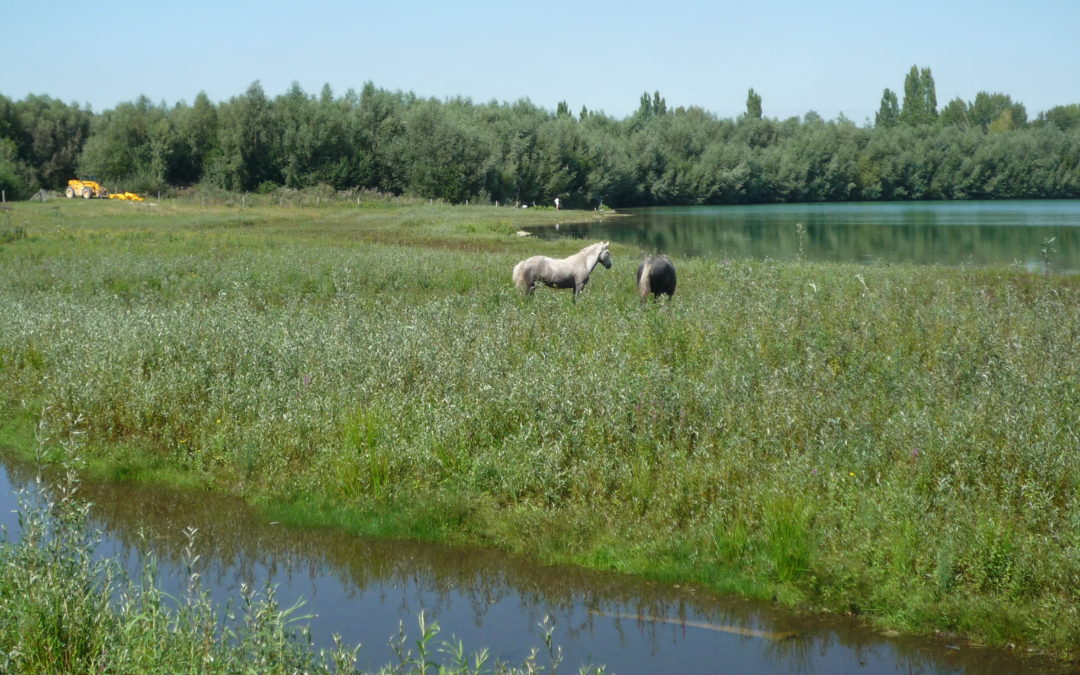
x,y
519,276
644,284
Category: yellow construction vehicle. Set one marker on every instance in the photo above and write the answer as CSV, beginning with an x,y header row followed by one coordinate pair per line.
x,y
86,189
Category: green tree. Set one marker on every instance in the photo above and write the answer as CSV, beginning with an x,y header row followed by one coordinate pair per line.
x,y
920,98
337,150
1002,123
1064,117
997,110
888,114
197,132
49,136
649,107
611,173
929,94
295,113
134,144
659,104
15,177
379,132
457,150
9,119
248,134
443,155
955,113
753,105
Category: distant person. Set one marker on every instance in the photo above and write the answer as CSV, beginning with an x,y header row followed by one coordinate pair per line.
x,y
556,203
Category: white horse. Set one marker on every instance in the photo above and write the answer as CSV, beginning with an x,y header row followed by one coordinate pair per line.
x,y
572,272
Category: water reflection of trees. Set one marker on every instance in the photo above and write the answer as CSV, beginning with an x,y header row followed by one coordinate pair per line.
x,y
910,234
235,546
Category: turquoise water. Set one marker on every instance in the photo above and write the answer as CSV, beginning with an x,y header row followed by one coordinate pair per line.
x,y
931,233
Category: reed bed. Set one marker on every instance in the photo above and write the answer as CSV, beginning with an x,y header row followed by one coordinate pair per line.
x,y
894,441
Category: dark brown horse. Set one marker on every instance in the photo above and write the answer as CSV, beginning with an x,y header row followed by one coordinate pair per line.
x,y
656,275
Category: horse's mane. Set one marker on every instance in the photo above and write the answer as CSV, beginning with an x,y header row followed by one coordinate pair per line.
x,y
592,248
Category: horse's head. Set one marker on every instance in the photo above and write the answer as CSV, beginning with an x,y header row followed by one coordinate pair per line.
x,y
605,255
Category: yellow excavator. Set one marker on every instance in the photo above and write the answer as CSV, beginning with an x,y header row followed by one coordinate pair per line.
x,y
87,189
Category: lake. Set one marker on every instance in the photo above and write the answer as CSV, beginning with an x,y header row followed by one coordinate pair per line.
x,y
361,588
926,233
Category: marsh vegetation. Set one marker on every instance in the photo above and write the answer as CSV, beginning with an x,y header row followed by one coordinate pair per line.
x,y
893,441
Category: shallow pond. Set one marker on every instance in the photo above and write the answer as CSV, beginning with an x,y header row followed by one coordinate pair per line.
x,y
940,233
361,589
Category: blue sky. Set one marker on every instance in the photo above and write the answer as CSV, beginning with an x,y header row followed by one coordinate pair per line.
x,y
830,56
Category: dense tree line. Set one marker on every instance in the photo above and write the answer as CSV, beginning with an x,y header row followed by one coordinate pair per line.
x,y
510,153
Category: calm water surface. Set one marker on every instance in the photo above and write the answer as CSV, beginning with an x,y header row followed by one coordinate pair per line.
x,y
935,233
362,588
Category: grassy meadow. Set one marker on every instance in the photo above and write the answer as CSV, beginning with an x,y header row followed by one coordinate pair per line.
x,y
899,442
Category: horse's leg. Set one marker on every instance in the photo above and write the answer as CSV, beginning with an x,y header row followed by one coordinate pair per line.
x,y
578,288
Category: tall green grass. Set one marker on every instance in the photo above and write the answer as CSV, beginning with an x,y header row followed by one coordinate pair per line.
x,y
896,441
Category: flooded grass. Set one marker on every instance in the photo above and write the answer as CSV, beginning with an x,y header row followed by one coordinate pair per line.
x,y
893,441
65,610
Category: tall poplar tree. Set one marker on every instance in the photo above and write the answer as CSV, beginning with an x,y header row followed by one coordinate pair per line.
x,y
929,90
753,105
659,104
920,98
888,115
